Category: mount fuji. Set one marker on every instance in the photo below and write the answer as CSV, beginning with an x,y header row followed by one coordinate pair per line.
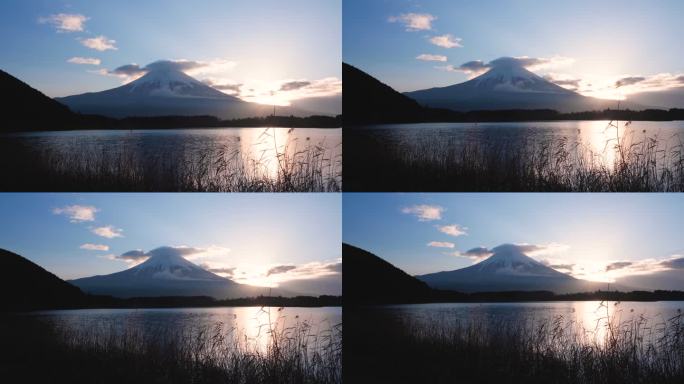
x,y
165,91
509,85
167,273
507,269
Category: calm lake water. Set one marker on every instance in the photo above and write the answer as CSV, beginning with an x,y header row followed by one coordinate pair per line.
x,y
218,158
586,318
247,327
595,136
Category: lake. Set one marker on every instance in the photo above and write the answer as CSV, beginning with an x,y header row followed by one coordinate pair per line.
x,y
588,320
210,159
248,329
519,156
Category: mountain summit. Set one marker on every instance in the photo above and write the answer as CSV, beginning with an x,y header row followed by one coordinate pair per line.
x,y
507,269
509,85
166,273
164,90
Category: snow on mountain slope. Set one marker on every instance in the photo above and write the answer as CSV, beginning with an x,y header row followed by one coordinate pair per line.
x,y
508,269
171,83
509,85
164,91
167,273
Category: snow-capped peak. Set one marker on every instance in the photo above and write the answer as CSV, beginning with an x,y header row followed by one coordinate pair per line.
x,y
512,76
169,82
169,264
510,259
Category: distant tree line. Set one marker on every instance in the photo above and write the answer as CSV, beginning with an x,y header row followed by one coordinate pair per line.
x,y
101,301
436,296
427,115
206,301
81,121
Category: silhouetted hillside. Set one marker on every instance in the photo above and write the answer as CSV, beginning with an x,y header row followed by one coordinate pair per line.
x,y
26,286
25,108
367,100
368,279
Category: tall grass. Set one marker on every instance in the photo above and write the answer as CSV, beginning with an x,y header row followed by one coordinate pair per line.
x,y
616,349
291,166
219,353
553,164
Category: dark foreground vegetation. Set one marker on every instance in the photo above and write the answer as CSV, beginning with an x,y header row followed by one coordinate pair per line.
x,y
36,351
384,348
425,164
125,166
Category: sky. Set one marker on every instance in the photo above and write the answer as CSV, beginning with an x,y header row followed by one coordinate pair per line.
x,y
585,45
598,237
273,51
272,238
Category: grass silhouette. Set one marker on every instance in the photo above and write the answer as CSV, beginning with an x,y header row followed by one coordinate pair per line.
x,y
292,166
380,348
551,164
36,350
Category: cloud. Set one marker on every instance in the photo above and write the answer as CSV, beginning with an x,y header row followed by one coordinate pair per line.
x,y
476,254
564,81
225,272
652,83
196,68
284,92
414,21
230,88
446,41
129,70
138,256
292,85
618,265
65,22
559,265
95,247
175,65
675,262
562,267
477,67
84,60
429,57
619,269
77,213
629,81
532,250
278,274
99,43
107,231
424,212
280,269
441,244
453,230
310,270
